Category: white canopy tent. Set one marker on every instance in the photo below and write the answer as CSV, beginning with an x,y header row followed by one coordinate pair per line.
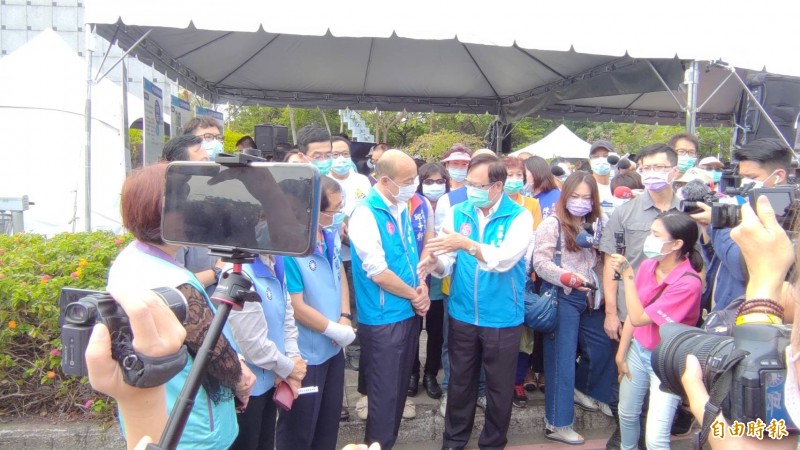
x,y
586,60
42,144
560,142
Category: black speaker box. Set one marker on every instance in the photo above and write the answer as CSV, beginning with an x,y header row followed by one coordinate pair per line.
x,y
268,136
780,97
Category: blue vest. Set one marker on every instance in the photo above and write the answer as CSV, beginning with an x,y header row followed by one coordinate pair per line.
x,y
210,425
322,290
457,196
486,299
376,306
272,290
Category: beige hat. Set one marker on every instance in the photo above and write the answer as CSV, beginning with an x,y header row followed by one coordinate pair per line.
x,y
710,161
696,174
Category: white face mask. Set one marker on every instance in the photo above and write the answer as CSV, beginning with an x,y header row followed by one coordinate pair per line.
x,y
791,391
433,191
405,193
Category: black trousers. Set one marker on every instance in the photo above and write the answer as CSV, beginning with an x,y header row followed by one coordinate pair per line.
x,y
313,421
434,322
468,347
257,424
387,354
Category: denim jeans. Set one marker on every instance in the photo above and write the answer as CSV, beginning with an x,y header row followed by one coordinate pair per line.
x,y
631,395
446,360
576,324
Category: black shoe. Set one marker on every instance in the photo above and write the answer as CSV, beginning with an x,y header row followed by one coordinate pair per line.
x,y
432,387
413,385
682,425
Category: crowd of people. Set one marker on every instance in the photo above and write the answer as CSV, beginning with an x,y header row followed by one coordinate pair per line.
x,y
453,247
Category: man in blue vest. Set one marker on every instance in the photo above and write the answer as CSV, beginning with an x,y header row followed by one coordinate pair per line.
x,y
482,244
388,292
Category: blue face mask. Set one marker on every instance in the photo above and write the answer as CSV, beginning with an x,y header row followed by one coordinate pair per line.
x,y
686,162
458,175
340,166
478,197
338,218
513,187
324,166
715,175
213,147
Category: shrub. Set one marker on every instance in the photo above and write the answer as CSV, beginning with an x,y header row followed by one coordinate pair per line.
x,y
33,269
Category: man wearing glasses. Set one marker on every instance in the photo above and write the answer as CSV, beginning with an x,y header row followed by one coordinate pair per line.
x,y
685,145
483,242
315,143
657,166
210,130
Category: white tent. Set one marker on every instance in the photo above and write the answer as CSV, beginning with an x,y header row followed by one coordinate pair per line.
x,y
561,142
586,60
42,95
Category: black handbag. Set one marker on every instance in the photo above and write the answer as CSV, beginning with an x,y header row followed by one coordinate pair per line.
x,y
541,308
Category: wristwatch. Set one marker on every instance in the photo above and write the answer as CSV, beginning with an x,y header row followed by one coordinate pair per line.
x,y
473,250
347,316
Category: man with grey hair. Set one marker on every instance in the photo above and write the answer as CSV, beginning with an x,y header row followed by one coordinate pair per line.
x,y
388,293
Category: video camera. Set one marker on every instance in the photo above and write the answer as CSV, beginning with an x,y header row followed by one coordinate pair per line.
x,y
726,210
744,373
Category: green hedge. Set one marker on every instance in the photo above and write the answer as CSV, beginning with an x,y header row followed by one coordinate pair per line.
x,y
33,269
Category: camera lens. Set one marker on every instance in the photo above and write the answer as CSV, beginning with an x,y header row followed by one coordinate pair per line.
x,y
175,300
81,313
678,341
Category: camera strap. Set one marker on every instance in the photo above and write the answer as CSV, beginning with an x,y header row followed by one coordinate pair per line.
x,y
146,371
720,389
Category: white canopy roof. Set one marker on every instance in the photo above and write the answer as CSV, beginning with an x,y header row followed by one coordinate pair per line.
x,y
560,142
585,59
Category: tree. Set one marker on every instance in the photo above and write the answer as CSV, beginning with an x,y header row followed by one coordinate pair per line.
x,y
432,146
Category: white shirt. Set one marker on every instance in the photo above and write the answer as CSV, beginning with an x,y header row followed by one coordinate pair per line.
x,y
498,259
606,201
366,239
442,209
355,187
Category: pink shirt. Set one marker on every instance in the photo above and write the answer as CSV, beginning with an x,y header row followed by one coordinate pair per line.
x,y
679,300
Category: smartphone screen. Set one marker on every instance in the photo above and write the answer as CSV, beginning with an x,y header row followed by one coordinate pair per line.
x,y
780,197
259,208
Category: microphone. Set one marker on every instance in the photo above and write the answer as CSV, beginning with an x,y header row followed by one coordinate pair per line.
x,y
623,192
572,281
694,191
557,171
613,159
624,164
585,240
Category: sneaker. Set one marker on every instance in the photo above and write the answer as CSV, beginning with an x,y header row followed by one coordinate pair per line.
x,y
566,436
409,410
443,404
482,402
605,409
585,402
520,399
362,407
683,423
530,381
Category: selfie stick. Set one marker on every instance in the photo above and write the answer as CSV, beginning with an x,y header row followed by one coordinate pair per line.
x,y
232,291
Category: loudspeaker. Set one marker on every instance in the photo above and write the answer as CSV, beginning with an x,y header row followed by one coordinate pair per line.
x,y
268,136
780,97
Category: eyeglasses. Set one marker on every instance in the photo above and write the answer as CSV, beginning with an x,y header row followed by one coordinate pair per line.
x,y
478,186
332,213
341,154
685,152
211,137
645,169
320,156
431,182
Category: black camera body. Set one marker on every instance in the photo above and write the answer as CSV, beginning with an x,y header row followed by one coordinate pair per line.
x,y
80,310
755,357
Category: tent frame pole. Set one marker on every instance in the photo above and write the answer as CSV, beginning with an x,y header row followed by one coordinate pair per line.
x,y
87,119
666,86
135,44
691,79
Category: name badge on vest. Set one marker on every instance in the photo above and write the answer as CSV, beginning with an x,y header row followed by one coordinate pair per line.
x,y
390,227
466,229
312,265
268,292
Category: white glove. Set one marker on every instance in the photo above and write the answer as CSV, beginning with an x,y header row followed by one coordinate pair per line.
x,y
341,334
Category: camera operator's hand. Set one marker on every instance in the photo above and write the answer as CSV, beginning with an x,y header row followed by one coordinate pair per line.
x,y
299,369
766,248
692,381
702,218
157,332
